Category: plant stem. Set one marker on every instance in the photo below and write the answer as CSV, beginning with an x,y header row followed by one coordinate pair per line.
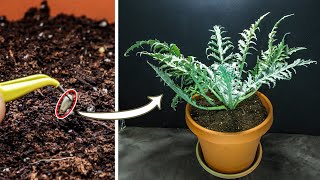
x,y
246,96
215,94
208,108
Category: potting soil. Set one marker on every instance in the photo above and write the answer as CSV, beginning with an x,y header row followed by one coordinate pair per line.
x,y
78,52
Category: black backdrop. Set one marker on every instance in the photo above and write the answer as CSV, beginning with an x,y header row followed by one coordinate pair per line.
x,y
186,23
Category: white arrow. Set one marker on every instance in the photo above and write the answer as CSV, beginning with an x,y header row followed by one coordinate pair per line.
x,y
155,101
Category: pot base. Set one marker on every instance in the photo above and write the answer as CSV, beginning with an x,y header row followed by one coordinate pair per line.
x,y
229,176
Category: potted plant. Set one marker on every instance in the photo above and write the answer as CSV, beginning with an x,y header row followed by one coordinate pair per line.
x,y
224,108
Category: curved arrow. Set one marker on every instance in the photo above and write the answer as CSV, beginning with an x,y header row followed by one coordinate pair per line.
x,y
155,101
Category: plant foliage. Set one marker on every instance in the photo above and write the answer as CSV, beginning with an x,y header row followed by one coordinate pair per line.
x,y
225,79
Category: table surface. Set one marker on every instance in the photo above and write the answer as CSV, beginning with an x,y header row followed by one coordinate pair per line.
x,y
163,153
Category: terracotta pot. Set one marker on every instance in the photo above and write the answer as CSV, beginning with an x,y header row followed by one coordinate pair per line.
x,y
97,9
231,152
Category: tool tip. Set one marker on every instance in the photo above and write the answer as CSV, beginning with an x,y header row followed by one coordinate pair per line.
x,y
60,88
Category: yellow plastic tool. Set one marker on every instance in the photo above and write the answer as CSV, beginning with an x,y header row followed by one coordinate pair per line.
x,y
11,90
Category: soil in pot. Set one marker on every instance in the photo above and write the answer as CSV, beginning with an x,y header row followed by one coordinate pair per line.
x,y
248,114
79,52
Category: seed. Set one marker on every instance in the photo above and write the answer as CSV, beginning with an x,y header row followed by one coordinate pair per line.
x,y
66,104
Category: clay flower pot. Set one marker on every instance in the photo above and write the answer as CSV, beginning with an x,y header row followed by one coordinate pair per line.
x,y
231,153
96,9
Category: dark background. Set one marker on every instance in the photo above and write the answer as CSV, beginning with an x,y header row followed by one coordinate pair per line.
x,y
186,23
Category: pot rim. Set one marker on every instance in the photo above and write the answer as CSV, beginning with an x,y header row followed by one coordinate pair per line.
x,y
95,9
263,127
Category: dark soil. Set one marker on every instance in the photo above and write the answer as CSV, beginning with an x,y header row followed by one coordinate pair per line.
x,y
248,114
33,143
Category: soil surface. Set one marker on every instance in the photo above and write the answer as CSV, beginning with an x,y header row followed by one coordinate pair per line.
x,y
248,114
78,52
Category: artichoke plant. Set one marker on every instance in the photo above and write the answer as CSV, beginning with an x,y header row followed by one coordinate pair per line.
x,y
226,79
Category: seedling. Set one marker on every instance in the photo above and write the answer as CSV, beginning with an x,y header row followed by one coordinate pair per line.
x,y
225,80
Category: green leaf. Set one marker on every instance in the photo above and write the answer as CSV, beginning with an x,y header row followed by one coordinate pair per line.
x,y
273,32
187,76
179,91
248,36
218,45
174,50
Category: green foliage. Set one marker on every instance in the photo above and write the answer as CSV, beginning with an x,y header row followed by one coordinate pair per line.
x,y
225,83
